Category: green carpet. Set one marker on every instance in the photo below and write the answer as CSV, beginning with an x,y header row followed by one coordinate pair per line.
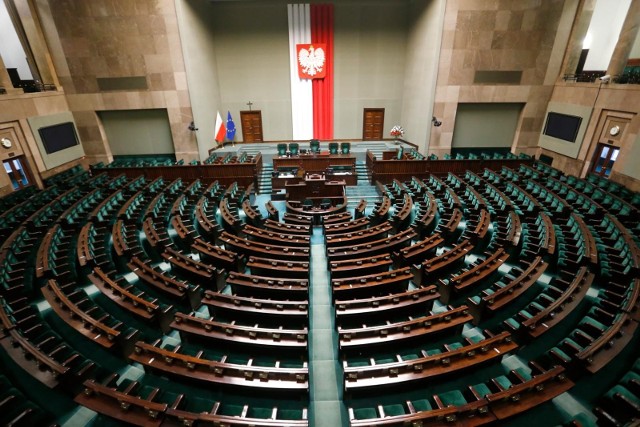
x,y
325,370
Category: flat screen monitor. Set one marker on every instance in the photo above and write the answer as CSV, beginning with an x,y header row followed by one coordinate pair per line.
x,y
58,137
562,126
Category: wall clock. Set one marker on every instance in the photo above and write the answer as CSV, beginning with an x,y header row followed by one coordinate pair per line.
x,y
614,130
6,142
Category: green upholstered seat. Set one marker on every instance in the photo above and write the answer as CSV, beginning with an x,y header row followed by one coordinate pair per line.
x,y
560,353
263,413
365,413
314,146
289,414
410,356
512,323
358,362
455,346
524,373
503,382
345,147
433,352
282,149
475,338
618,389
630,376
476,299
593,322
526,314
294,148
333,147
421,405
231,410
393,410
453,398
482,389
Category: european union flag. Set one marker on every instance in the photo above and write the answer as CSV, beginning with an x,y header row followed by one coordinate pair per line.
x,y
231,127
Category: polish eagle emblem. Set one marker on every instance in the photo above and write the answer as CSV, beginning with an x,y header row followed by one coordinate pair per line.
x,y
311,60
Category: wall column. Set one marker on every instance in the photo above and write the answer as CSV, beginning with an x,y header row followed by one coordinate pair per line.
x,y
627,38
5,80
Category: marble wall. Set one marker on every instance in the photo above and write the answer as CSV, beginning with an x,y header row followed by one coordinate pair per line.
x,y
526,37
613,105
120,39
15,109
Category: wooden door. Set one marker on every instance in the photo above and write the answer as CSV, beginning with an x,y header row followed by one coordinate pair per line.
x,y
18,172
373,123
251,126
603,160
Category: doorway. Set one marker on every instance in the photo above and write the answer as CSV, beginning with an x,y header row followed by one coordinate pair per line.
x,y
604,159
372,124
18,172
251,126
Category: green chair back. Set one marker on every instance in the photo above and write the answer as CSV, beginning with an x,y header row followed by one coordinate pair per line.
x,y
314,145
345,147
333,148
282,149
294,148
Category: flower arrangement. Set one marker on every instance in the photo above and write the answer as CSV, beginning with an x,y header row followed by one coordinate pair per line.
x,y
397,131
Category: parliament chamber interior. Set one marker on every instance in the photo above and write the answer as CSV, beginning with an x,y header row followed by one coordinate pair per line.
x,y
339,213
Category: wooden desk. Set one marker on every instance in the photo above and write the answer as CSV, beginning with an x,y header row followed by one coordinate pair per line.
x,y
498,296
260,249
314,162
380,231
219,372
476,274
346,227
385,334
280,227
242,307
371,284
359,266
227,260
164,283
203,273
395,373
279,338
278,268
441,262
252,285
315,186
367,308
563,304
275,238
419,251
373,248
106,399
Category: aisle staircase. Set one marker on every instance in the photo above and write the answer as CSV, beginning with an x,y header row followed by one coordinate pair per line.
x,y
364,176
264,180
327,408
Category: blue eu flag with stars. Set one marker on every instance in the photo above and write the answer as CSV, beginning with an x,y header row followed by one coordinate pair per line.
x,y
231,127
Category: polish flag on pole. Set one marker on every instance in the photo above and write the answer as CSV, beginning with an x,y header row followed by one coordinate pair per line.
x,y
220,129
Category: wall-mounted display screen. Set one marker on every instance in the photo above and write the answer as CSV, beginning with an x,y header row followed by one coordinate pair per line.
x,y
562,126
58,137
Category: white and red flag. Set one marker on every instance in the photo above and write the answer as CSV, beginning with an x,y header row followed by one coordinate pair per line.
x,y
221,131
311,70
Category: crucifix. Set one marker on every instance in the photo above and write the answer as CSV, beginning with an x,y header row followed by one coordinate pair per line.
x,y
249,104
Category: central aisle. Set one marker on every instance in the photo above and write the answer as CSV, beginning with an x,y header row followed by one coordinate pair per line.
x,y
325,370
